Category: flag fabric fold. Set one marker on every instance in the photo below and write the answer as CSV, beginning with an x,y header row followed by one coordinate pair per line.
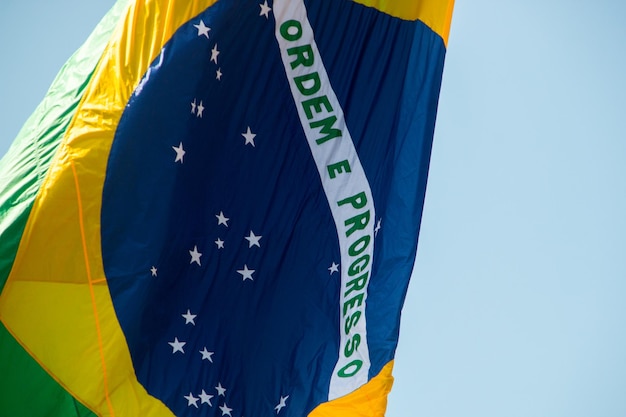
x,y
218,212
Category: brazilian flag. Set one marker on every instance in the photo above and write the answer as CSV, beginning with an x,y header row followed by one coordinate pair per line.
x,y
215,210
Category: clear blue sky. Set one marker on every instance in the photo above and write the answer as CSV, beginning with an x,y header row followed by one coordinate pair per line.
x,y
518,302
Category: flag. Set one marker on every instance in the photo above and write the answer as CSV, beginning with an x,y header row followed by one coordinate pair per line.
x,y
215,210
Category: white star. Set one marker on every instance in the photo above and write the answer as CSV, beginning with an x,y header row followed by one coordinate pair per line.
x,y
249,136
193,106
180,152
253,240
195,255
246,273
214,54
189,318
177,346
220,389
205,398
220,243
265,9
154,271
377,228
226,410
202,29
221,219
218,74
191,400
200,109
207,355
283,403
333,268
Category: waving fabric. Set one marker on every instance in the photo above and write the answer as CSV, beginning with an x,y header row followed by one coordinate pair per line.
x,y
215,210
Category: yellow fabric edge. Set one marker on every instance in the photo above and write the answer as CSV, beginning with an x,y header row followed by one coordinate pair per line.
x,y
436,14
368,401
57,305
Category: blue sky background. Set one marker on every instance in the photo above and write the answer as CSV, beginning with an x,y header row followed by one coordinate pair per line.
x,y
517,306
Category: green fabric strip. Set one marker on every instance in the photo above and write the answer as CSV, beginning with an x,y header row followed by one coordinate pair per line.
x,y
26,389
